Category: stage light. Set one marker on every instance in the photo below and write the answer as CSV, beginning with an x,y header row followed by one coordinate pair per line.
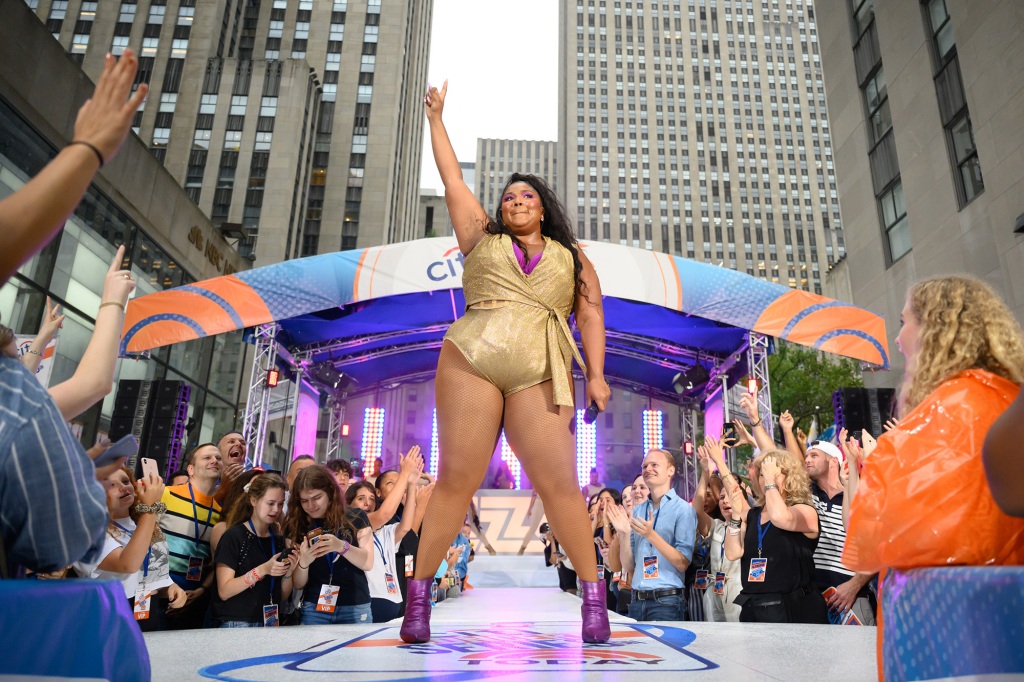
x,y
690,379
586,448
273,377
688,448
653,439
435,453
344,430
509,458
373,438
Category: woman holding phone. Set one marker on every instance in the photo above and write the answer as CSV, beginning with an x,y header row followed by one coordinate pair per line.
x,y
135,550
253,566
335,550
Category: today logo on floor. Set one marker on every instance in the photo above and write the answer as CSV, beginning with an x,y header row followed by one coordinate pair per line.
x,y
527,648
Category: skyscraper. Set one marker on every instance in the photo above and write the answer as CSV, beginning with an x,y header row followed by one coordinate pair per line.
x,y
927,99
497,159
296,124
698,127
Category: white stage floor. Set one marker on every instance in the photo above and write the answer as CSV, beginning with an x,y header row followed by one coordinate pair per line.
x,y
518,634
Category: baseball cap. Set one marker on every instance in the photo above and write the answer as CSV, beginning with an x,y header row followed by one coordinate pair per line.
x,y
828,448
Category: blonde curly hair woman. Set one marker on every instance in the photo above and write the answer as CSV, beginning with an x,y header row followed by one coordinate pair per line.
x,y
921,498
965,364
776,542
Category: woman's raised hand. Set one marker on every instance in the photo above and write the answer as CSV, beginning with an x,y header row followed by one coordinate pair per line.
x,y
619,518
433,101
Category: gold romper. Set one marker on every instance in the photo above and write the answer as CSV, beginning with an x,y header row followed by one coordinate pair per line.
x,y
514,332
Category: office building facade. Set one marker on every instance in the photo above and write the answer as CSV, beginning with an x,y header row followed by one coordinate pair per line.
x,y
925,100
132,201
698,128
297,125
497,159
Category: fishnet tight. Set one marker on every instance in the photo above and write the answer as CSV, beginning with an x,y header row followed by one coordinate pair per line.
x,y
469,421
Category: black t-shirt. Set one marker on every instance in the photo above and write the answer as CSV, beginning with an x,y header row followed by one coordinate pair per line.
x,y
790,556
242,551
352,581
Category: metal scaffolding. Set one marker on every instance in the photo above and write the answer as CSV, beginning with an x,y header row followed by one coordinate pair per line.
x,y
336,408
688,464
757,367
257,409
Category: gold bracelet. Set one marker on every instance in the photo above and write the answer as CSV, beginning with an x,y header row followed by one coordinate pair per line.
x,y
115,303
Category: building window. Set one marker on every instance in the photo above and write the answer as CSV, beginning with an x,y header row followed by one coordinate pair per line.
x,y
894,218
953,111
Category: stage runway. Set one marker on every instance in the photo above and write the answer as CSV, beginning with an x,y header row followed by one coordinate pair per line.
x,y
518,634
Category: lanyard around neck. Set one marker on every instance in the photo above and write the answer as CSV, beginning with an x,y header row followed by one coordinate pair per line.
x,y
273,553
195,513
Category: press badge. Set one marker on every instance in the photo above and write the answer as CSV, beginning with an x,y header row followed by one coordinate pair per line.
x,y
720,583
701,582
328,599
758,568
143,604
270,616
409,566
600,571
650,567
616,577
392,584
195,569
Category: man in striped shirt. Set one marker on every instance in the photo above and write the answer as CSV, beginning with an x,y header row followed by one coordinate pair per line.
x,y
53,512
192,512
844,590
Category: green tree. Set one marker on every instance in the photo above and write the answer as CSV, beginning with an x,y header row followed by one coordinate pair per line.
x,y
803,381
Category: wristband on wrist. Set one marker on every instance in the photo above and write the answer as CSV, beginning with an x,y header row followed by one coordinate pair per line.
x,y
346,548
754,425
735,523
771,486
99,156
734,531
34,352
114,303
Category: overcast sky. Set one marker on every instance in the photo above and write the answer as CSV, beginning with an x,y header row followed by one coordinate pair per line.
x,y
501,62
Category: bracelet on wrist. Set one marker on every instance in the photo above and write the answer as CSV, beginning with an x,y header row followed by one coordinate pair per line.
x,y
99,155
158,508
346,548
771,486
754,425
735,523
34,352
734,531
113,303
303,567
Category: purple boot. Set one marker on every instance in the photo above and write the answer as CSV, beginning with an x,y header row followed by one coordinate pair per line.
x,y
595,613
416,624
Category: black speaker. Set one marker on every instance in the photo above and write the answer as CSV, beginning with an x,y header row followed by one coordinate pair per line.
x,y
862,408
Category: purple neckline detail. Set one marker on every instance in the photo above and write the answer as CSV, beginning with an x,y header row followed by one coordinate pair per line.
x,y
527,267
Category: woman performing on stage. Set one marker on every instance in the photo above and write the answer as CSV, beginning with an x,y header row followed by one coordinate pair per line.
x,y
507,362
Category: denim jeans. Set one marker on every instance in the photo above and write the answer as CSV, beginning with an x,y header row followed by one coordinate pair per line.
x,y
664,608
343,615
240,624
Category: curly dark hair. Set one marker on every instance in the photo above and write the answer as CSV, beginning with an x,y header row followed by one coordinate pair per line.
x,y
556,224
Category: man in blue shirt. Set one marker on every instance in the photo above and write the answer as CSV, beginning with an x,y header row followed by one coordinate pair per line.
x,y
656,544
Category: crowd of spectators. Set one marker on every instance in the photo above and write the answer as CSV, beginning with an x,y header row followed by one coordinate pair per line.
x,y
801,538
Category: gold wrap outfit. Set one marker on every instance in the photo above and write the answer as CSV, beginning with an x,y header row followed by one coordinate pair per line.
x,y
514,332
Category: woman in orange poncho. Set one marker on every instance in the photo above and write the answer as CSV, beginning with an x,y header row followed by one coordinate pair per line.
x,y
922,499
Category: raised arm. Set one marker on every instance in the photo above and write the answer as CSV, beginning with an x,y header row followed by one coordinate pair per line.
x,y
623,533
412,465
52,320
468,217
800,518
94,377
409,513
30,217
129,559
703,520
590,321
786,423
764,440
